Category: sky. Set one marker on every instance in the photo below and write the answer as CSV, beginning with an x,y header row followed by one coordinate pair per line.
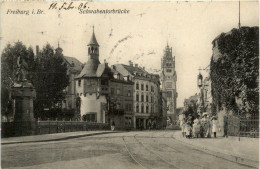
x,y
139,36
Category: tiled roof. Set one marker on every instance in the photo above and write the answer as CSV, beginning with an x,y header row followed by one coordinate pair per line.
x,y
133,69
77,64
90,69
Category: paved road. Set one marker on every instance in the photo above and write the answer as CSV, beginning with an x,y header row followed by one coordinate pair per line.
x,y
128,150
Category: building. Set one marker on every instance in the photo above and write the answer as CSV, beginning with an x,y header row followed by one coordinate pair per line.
x,y
74,67
205,97
168,81
120,101
92,86
146,94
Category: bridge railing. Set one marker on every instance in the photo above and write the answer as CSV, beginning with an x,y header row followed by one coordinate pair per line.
x,y
48,127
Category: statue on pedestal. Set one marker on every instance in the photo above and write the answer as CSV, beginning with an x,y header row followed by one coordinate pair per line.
x,y
23,94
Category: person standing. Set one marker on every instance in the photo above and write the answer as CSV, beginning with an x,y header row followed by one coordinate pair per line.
x,y
214,126
113,126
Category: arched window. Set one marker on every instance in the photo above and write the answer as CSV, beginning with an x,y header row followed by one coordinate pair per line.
x,y
142,97
142,108
137,108
147,108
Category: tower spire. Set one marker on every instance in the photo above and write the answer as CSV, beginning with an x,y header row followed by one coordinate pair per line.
x,y
93,40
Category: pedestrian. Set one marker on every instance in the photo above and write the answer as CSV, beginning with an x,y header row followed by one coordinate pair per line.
x,y
149,125
196,127
113,126
214,125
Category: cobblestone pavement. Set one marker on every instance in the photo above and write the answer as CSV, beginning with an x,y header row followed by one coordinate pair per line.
x,y
126,150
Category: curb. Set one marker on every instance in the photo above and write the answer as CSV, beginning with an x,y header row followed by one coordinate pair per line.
x,y
233,158
60,139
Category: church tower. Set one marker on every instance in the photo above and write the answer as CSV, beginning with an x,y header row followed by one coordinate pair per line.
x,y
168,81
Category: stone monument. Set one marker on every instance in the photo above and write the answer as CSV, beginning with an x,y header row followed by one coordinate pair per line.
x,y
23,94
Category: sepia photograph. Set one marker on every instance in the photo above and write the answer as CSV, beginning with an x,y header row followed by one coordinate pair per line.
x,y
105,84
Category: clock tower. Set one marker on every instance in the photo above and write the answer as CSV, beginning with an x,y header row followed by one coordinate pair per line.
x,y
168,81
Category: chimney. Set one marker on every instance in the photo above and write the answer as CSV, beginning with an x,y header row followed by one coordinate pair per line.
x,y
136,65
130,63
37,50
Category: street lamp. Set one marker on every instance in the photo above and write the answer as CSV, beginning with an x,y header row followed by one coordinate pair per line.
x,y
200,78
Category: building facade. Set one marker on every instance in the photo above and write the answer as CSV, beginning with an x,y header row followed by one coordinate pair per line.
x,y
205,97
74,67
92,86
120,101
168,81
146,92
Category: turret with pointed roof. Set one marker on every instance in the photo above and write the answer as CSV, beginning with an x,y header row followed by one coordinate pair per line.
x,y
93,40
93,48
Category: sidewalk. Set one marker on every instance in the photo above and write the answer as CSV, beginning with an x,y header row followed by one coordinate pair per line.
x,y
246,148
51,137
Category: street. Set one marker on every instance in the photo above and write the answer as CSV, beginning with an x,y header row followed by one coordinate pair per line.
x,y
137,149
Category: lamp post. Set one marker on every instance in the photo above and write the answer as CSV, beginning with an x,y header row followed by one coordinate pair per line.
x,y
199,80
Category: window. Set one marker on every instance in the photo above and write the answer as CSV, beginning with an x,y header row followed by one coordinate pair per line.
x,y
152,89
152,99
168,70
79,83
142,97
118,91
112,91
169,94
137,108
147,100
137,86
129,93
137,97
146,87
142,108
142,86
104,82
130,107
147,109
151,108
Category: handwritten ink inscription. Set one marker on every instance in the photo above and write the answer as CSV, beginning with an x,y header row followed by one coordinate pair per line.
x,y
68,6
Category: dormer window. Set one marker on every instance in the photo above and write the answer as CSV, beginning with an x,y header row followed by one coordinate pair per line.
x,y
115,75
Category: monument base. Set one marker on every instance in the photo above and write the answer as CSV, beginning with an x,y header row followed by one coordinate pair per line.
x,y
23,94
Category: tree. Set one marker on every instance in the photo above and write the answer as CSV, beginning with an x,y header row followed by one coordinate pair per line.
x,y
50,79
235,75
9,69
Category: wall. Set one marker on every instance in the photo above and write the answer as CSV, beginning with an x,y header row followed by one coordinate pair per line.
x,y
91,104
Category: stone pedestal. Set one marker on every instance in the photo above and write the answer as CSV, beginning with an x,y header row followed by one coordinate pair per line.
x,y
23,94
